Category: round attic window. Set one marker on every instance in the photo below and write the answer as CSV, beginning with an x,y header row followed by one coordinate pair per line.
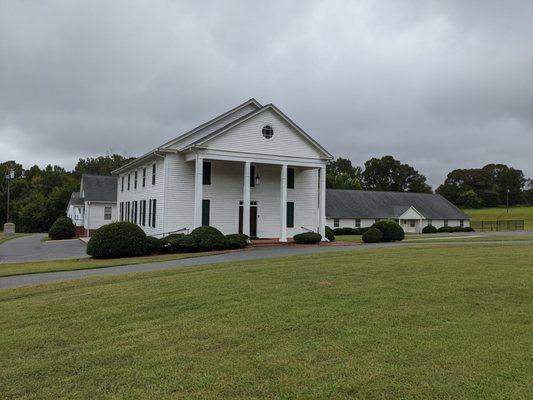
x,y
268,132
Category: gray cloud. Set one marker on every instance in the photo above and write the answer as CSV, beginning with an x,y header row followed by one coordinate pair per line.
x,y
440,85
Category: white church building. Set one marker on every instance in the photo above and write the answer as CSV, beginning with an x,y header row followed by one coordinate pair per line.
x,y
250,170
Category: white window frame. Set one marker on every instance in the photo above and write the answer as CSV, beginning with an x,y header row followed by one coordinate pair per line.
x,y
108,213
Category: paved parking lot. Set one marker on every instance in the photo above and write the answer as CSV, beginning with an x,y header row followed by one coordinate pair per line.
x,y
33,248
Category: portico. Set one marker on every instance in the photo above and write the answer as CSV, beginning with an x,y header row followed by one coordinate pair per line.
x,y
264,187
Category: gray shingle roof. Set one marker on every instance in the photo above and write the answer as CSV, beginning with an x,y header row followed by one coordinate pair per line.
x,y
99,188
369,204
76,199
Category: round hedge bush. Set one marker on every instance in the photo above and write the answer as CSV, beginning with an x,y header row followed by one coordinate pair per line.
x,y
429,229
392,231
307,238
117,239
180,243
346,231
208,238
445,229
62,228
154,245
329,234
236,241
372,235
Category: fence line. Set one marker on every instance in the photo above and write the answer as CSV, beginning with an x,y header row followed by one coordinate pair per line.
x,y
498,225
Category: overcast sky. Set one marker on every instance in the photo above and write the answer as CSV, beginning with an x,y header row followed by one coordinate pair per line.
x,y
438,84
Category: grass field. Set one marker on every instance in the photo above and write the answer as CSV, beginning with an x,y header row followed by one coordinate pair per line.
x,y
10,269
417,323
492,214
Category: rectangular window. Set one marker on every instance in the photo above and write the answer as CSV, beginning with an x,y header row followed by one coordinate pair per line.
x,y
127,211
153,174
154,208
335,222
122,184
107,213
150,212
121,211
206,175
144,177
135,180
430,222
412,223
290,178
462,223
205,212
445,222
143,212
357,223
135,205
290,214
252,175
129,178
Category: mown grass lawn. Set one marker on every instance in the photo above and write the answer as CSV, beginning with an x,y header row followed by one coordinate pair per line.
x,y
34,267
418,323
495,213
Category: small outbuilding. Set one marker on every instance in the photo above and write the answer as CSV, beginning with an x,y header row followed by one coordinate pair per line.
x,y
413,211
94,205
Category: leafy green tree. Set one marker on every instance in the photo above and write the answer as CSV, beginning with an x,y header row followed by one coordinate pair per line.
x,y
341,174
388,174
102,165
489,183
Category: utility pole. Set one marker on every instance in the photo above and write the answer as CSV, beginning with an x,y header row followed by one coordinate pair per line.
x,y
9,228
507,200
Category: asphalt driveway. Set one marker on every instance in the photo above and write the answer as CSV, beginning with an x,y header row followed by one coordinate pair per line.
x,y
33,248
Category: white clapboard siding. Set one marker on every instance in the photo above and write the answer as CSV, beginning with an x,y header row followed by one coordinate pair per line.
x,y
247,137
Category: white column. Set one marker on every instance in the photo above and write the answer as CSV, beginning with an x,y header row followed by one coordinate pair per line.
x,y
246,200
198,191
322,203
283,204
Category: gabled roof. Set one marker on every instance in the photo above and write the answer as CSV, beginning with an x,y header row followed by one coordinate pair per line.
x,y
209,136
369,204
216,126
76,199
200,131
98,188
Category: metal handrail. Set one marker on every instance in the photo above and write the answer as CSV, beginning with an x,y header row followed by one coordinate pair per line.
x,y
307,229
186,230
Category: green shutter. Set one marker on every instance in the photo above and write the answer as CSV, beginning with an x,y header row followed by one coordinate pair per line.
x,y
206,177
290,178
290,214
252,175
205,212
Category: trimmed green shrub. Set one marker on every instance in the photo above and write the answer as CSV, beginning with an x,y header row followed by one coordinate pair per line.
x,y
117,239
429,229
372,235
180,243
364,230
345,231
329,234
62,228
392,231
236,241
208,238
154,245
307,238
445,229
468,229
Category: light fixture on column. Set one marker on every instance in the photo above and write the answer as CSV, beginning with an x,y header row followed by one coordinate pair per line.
x,y
257,180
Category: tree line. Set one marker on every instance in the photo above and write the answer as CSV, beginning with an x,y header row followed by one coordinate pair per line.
x,y
490,186
40,195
